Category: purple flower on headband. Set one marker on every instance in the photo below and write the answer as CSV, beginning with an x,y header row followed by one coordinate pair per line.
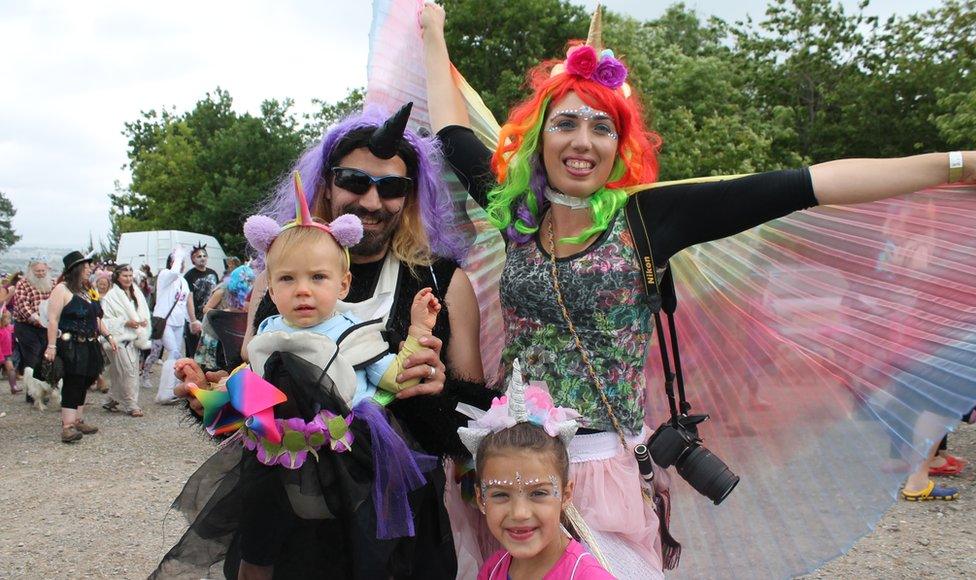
x,y
347,229
610,73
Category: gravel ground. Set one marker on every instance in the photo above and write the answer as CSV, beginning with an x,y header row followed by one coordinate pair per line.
x,y
99,508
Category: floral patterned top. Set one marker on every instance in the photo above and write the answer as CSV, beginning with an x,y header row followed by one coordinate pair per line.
x,y
601,287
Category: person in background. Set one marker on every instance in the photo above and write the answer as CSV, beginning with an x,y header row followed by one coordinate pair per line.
x,y
231,263
7,349
174,302
74,325
229,298
202,281
29,329
101,283
126,316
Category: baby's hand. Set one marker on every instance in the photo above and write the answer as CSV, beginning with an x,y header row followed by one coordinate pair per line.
x,y
423,313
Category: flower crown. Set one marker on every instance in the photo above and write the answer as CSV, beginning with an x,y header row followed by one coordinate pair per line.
x,y
593,62
261,231
521,404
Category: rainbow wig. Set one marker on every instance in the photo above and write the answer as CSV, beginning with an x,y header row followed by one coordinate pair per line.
x,y
515,205
238,286
428,227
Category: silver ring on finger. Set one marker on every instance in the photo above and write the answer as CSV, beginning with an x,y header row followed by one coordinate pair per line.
x,y
431,372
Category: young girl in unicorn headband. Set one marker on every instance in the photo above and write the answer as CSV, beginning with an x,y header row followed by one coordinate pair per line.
x,y
324,477
524,488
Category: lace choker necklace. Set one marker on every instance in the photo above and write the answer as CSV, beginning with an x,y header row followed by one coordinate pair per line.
x,y
566,200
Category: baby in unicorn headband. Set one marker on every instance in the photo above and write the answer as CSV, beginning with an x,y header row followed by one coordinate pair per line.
x,y
524,489
310,408
308,273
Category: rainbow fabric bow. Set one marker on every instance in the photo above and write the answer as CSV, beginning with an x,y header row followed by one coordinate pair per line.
x,y
248,402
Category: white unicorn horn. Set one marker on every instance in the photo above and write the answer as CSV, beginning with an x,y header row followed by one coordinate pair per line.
x,y
516,394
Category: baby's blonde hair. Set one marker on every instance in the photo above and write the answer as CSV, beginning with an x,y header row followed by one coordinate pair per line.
x,y
296,238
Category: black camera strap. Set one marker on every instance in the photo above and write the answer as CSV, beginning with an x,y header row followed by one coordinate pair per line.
x,y
660,294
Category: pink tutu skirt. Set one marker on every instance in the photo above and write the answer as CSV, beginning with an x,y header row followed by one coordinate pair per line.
x,y
607,493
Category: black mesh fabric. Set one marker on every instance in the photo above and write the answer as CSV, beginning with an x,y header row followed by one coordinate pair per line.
x,y
274,515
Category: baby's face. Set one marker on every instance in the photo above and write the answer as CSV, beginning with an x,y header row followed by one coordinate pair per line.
x,y
306,284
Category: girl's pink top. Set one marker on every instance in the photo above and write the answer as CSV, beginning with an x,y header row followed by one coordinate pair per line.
x,y
6,341
575,564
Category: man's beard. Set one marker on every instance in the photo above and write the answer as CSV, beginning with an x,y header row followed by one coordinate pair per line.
x,y
374,241
43,285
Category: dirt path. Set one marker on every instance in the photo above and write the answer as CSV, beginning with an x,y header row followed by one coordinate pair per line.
x,y
99,508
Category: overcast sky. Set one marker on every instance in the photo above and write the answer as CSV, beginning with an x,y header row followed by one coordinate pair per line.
x,y
74,72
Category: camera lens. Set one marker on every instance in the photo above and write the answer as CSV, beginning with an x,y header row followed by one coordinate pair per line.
x,y
666,445
708,474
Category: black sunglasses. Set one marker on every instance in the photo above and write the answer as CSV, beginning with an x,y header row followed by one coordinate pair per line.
x,y
358,182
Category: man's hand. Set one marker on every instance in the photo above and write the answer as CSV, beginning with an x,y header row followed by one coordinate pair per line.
x,y
427,366
196,326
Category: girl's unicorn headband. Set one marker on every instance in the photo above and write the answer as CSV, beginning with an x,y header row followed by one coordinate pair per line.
x,y
520,404
261,231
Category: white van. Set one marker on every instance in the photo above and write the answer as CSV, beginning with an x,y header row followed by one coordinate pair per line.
x,y
138,248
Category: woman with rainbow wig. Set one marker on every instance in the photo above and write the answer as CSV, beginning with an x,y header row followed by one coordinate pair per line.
x,y
566,162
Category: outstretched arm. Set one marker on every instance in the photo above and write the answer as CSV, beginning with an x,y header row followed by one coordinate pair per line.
x,y
848,181
443,99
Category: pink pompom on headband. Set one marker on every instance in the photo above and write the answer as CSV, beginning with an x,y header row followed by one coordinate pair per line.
x,y
261,231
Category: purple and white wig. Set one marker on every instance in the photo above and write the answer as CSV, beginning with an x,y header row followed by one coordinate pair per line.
x,y
436,207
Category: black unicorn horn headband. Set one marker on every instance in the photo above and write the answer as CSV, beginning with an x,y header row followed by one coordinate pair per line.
x,y
385,140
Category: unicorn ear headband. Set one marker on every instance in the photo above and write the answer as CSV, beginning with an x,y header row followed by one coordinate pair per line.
x,y
520,404
594,62
261,231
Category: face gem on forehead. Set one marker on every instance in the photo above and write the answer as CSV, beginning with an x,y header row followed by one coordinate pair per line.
x,y
584,112
519,484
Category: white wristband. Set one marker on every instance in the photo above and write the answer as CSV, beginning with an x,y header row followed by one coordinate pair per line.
x,y
955,166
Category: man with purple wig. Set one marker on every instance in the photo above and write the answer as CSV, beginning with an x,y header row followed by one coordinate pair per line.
x,y
371,166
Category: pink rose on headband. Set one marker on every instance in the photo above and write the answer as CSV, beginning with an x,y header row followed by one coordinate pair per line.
x,y
581,61
610,72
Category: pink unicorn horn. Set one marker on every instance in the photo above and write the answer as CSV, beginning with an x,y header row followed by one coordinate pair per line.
x,y
303,217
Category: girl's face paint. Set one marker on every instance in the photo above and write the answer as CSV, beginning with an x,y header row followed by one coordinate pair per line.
x,y
522,498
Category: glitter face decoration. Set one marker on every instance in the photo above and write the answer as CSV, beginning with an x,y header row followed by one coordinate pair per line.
x,y
520,485
567,120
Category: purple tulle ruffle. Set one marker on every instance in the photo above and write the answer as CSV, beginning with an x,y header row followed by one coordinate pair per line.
x,y
398,471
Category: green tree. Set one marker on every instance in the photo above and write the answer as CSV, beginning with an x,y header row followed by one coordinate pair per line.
x,y
331,113
205,170
495,42
8,236
695,96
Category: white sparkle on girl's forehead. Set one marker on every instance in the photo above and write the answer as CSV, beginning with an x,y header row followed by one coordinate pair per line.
x,y
519,484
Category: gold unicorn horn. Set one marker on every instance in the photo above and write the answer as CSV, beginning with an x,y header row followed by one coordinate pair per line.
x,y
595,36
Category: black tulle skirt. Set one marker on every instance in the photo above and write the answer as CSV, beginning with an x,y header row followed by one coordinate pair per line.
x,y
318,521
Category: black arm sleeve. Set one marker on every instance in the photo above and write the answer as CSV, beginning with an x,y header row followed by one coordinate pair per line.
x,y
470,160
683,215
